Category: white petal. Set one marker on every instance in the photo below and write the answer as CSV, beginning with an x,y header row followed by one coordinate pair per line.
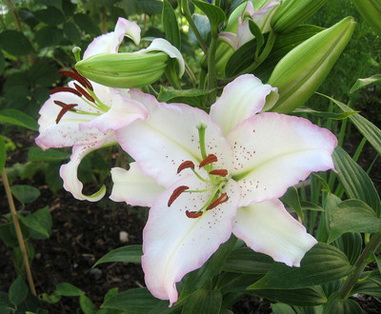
x,y
230,38
268,228
160,44
263,16
123,111
134,187
170,137
273,152
110,42
241,99
68,172
174,245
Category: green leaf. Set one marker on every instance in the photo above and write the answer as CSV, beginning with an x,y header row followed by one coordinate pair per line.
x,y
309,296
17,117
336,304
351,245
327,115
15,43
203,301
72,32
2,62
86,24
48,36
355,180
281,308
51,16
215,15
125,254
360,83
37,154
3,154
40,222
352,216
18,291
87,306
137,300
370,286
151,7
68,7
193,97
44,73
245,260
321,264
25,193
242,58
371,132
68,290
291,198
171,29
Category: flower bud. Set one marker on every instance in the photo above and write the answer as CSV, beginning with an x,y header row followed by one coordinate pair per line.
x,y
293,12
300,72
131,69
370,10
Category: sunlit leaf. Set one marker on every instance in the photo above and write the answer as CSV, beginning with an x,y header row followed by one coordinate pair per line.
x,y
360,83
125,254
17,117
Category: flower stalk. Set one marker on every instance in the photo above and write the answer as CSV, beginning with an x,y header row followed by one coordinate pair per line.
x,y
19,234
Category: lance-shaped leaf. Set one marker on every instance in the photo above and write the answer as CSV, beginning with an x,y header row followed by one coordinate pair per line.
x,y
352,216
370,10
360,83
124,254
170,24
299,73
323,263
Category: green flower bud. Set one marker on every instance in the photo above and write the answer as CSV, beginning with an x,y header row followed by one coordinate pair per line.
x,y
293,12
370,10
124,70
300,72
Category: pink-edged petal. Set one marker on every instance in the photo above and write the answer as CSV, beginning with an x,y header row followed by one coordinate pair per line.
x,y
263,16
230,38
274,151
160,44
241,99
122,112
268,228
69,171
174,245
134,187
170,137
110,42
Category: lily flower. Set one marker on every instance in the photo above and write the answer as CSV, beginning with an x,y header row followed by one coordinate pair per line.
x,y
206,176
84,115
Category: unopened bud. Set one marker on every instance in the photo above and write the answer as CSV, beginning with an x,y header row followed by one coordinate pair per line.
x,y
370,10
291,13
300,72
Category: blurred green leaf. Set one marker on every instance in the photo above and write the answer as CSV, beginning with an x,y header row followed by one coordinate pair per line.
x,y
309,296
171,29
193,97
203,301
15,43
86,24
48,36
352,216
360,83
355,180
28,17
50,3
18,291
37,154
2,62
25,193
125,254
68,290
323,263
245,260
336,304
72,33
150,7
51,16
3,154
17,117
68,7
43,72
327,115
40,222
138,300
87,306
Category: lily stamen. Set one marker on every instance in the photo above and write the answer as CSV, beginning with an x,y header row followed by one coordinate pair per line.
x,y
176,193
84,92
65,108
221,199
186,164
208,160
219,172
65,89
193,214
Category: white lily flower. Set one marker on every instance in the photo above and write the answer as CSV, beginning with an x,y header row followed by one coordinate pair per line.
x,y
84,115
208,176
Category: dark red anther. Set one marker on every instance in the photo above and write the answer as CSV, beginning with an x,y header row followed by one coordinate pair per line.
x,y
65,108
193,214
176,193
84,92
219,172
221,199
65,89
85,79
78,77
186,164
208,160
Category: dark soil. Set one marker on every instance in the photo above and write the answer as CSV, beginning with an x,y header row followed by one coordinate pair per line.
x,y
83,232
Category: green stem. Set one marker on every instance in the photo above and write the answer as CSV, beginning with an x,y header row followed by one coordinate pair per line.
x,y
184,9
19,234
372,246
212,72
